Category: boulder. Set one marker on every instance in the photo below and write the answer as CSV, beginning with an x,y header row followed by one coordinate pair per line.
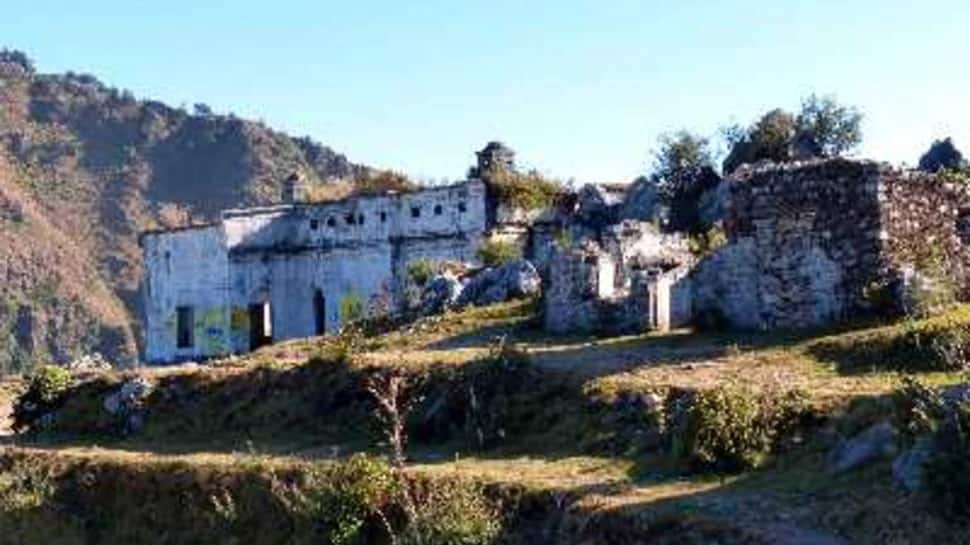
x,y
876,441
908,466
597,205
517,278
642,201
127,404
440,293
89,363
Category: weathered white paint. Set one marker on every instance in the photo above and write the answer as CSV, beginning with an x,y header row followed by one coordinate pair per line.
x,y
357,248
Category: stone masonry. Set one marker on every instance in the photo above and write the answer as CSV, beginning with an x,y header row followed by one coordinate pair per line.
x,y
809,241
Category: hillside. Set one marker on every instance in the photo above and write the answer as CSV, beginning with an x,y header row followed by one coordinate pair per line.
x,y
562,433
83,169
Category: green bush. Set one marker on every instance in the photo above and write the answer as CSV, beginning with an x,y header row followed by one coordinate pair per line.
x,y
45,392
936,344
706,243
529,191
917,409
455,512
731,428
337,502
948,468
497,252
420,271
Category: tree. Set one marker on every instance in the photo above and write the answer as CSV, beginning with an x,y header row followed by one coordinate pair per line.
x,y
202,110
822,128
942,155
836,128
682,171
770,138
18,58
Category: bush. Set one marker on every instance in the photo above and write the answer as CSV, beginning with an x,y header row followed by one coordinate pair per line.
x,y
337,502
420,271
948,468
45,392
451,513
529,191
497,252
936,344
730,428
706,243
917,409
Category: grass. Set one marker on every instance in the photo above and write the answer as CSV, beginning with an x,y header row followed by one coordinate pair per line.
x,y
563,439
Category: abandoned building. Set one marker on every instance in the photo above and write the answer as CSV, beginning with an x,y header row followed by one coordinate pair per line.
x,y
292,270
807,244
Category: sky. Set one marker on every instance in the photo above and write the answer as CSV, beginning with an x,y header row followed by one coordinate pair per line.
x,y
580,89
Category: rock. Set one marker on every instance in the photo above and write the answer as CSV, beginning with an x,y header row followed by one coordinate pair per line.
x,y
642,201
597,205
89,363
908,466
956,395
871,444
517,278
127,404
440,293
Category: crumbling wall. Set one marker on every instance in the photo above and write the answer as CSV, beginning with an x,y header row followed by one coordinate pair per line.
x,y
925,219
582,296
810,241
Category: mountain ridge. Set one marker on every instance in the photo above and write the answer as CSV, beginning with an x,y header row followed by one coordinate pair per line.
x,y
87,166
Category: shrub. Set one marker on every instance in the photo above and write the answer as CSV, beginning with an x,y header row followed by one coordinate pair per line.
x,y
706,243
351,308
451,513
917,409
730,428
948,468
497,252
936,344
339,501
529,191
45,392
420,271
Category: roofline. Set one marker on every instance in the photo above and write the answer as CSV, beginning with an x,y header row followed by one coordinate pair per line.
x,y
283,207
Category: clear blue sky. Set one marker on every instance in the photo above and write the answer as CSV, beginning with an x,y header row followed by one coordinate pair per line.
x,y
580,89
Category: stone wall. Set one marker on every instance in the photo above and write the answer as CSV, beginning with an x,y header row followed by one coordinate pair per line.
x,y
925,220
809,241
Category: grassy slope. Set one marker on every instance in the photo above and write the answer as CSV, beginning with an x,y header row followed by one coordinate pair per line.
x,y
275,405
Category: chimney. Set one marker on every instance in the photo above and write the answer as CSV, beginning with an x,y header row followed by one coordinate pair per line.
x,y
294,189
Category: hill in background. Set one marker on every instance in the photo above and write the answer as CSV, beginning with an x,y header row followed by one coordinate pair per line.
x,y
84,168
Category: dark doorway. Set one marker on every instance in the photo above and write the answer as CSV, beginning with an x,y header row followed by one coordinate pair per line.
x,y
260,325
185,327
320,312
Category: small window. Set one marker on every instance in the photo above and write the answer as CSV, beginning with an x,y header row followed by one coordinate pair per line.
x,y
415,212
360,219
383,217
331,222
438,210
185,327
314,225
350,219
462,207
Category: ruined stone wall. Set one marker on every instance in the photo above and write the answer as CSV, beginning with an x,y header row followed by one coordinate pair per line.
x,y
809,242
925,221
805,241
